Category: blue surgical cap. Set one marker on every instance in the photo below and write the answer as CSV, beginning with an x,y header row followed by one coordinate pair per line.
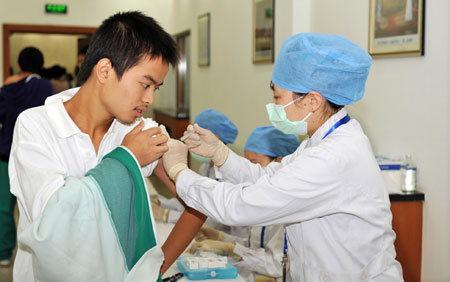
x,y
269,141
219,124
329,64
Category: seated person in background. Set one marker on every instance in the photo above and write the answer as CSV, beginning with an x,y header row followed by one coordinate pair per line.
x,y
20,92
260,252
170,210
59,78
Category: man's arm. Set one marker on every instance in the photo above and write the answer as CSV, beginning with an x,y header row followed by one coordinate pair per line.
x,y
182,234
184,230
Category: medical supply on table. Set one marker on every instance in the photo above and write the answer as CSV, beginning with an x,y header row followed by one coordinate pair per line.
x,y
186,136
408,174
390,169
206,266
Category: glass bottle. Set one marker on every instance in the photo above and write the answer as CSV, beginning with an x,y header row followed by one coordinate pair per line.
x,y
408,171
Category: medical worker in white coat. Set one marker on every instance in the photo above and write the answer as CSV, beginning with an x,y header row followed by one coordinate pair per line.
x,y
329,193
260,252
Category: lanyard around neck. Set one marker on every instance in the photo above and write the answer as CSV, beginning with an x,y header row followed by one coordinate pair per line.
x,y
340,122
263,230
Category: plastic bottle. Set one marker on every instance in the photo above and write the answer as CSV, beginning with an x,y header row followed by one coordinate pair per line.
x,y
408,172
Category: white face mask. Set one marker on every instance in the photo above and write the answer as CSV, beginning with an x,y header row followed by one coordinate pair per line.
x,y
278,117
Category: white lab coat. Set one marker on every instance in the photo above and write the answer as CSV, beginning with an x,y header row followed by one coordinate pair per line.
x,y
330,194
177,209
212,172
257,260
48,147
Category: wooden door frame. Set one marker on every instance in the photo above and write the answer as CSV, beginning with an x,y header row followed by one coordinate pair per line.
x,y
9,29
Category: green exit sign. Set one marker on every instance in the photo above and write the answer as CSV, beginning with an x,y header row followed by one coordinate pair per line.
x,y
56,9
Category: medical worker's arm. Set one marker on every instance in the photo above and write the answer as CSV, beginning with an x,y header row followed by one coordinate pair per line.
x,y
204,143
307,187
248,172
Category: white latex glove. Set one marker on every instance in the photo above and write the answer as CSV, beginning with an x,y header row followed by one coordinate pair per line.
x,y
218,247
207,232
175,160
204,143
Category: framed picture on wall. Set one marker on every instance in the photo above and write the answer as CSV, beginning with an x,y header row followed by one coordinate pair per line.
x,y
203,40
263,31
396,28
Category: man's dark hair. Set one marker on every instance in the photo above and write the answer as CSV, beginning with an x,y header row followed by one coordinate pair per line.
x,y
31,60
125,38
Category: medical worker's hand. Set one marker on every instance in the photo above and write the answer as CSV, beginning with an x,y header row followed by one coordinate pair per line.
x,y
218,247
175,160
207,232
146,145
204,143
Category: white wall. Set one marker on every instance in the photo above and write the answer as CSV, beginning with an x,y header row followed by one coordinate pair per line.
x,y
406,110
231,84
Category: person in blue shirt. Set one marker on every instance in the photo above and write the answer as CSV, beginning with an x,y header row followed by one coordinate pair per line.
x,y
20,92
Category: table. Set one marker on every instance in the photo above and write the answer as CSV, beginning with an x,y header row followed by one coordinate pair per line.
x,y
162,232
407,223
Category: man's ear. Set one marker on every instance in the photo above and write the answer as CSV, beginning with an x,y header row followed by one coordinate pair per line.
x,y
103,70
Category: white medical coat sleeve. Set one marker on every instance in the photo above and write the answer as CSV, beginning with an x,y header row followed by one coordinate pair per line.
x,y
247,171
297,191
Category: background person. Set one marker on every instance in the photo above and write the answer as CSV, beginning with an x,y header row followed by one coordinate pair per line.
x,y
58,77
20,92
330,192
